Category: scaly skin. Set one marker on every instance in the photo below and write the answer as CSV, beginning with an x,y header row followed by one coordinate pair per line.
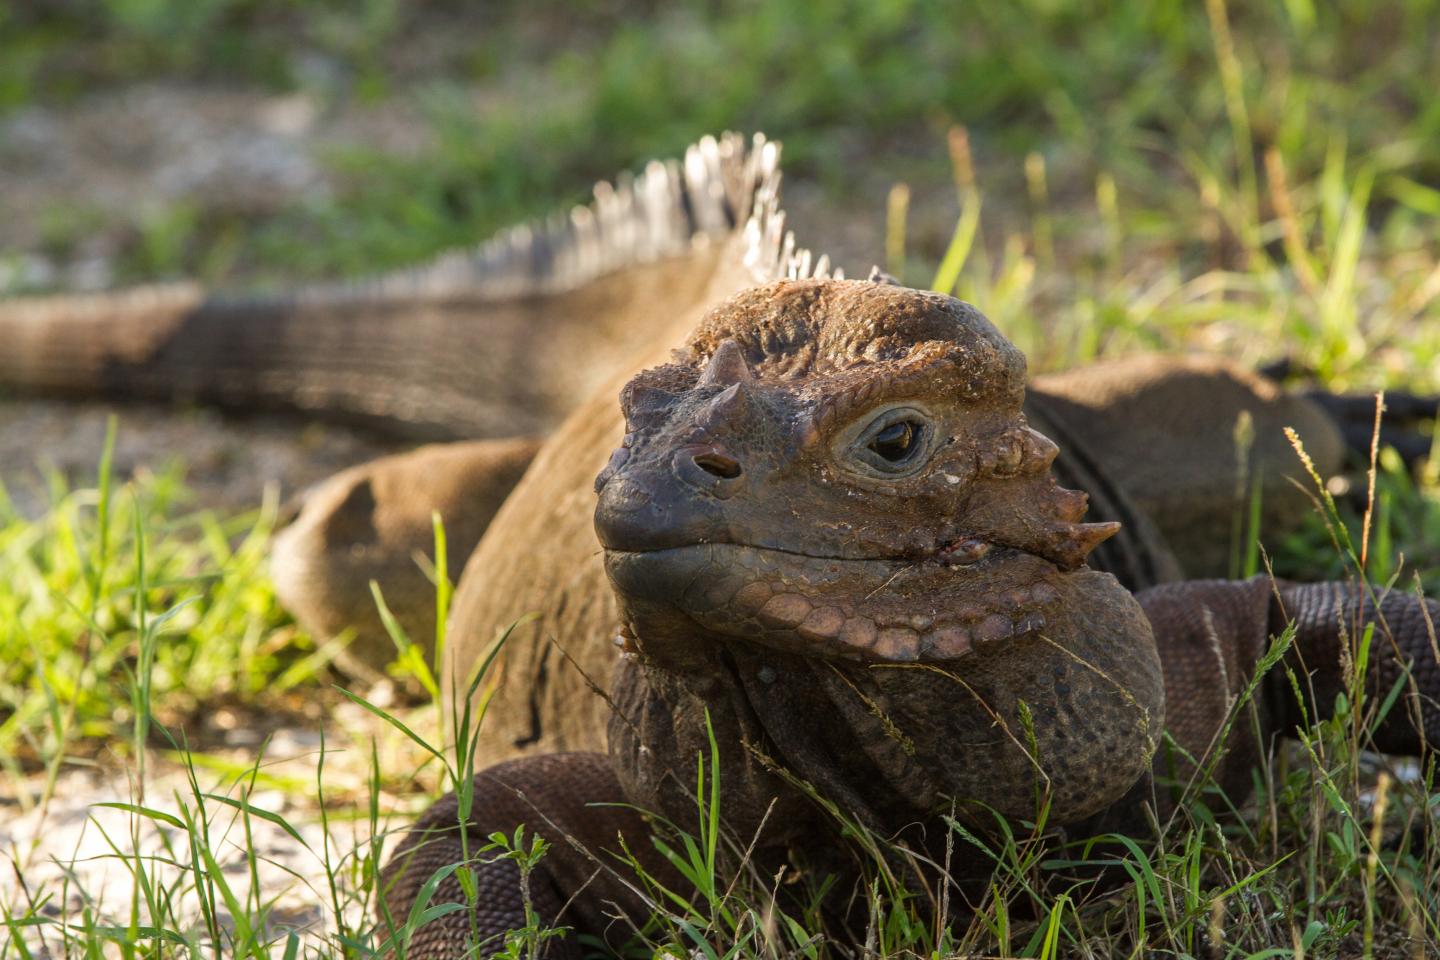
x,y
835,541
369,523
905,597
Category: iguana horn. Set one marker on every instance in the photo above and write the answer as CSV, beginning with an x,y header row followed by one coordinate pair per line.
x,y
727,366
1070,543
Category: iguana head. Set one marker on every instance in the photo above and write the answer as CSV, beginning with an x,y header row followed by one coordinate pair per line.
x,y
841,468
829,509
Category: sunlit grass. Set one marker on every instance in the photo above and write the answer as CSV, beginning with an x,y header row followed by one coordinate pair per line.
x,y
73,612
1331,858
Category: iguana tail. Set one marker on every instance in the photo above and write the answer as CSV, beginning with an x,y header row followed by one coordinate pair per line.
x,y
502,340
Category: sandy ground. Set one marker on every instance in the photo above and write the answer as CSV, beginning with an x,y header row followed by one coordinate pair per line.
x,y
67,855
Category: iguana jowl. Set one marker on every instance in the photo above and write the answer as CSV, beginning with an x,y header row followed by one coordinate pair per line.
x,y
835,501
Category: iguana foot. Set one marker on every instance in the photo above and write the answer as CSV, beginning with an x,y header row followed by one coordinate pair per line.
x,y
573,802
1355,416
374,523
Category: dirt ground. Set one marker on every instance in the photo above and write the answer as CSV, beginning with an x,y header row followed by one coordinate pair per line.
x,y
75,852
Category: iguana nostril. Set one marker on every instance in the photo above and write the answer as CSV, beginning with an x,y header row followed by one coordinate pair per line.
x,y
718,464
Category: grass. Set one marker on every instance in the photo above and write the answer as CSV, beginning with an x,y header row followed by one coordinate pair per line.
x,y
1332,858
1257,181
74,601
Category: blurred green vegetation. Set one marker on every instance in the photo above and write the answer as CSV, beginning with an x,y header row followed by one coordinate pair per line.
x,y
586,89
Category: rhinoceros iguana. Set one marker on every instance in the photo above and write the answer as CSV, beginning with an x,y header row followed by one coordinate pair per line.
x,y
836,545
829,520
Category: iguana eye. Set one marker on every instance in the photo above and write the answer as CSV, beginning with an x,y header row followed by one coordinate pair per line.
x,y
894,443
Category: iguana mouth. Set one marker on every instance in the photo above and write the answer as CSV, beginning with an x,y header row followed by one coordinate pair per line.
x,y
889,609
959,552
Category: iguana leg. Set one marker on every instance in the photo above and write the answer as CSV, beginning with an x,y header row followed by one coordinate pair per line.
x,y
565,798
1211,634
1355,416
374,522
1165,428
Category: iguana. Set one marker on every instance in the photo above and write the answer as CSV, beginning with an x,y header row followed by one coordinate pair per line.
x,y
836,544
715,488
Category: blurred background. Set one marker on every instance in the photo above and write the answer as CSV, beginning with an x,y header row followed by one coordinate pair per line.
x,y
1121,149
